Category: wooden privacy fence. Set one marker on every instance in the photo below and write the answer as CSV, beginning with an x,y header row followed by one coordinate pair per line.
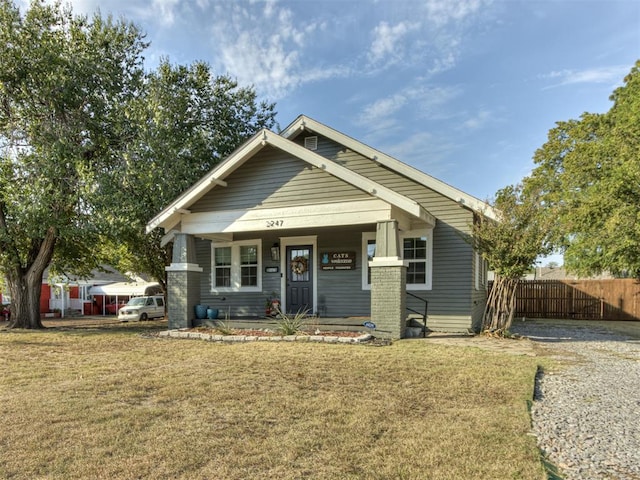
x,y
616,299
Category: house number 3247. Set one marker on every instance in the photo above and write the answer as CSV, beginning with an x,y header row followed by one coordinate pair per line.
x,y
274,223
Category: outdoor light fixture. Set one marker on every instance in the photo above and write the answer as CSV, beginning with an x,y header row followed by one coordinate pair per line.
x,y
275,252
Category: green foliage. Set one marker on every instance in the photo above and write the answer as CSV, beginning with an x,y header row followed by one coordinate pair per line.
x,y
291,325
187,120
63,82
589,176
512,243
223,327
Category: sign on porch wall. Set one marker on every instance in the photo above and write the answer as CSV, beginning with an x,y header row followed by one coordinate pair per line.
x,y
338,261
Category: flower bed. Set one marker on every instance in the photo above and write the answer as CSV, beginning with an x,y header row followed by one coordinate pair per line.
x,y
270,333
249,335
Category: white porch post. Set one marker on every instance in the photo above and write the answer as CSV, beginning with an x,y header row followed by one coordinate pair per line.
x,y
388,282
183,282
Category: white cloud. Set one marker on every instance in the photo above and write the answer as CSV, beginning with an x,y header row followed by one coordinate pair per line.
x,y
424,150
164,11
442,12
264,46
84,7
383,108
278,46
430,36
611,74
387,41
425,102
477,121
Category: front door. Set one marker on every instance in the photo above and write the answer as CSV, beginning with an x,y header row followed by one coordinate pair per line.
x,y
299,279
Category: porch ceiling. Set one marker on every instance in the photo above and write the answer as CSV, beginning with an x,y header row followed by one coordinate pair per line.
x,y
300,216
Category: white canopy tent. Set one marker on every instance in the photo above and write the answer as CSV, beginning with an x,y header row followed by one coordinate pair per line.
x,y
124,289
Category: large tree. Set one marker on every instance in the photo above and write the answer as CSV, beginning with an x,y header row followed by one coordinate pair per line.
x,y
589,173
187,120
63,81
511,243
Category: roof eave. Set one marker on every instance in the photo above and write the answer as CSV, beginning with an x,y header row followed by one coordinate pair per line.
x,y
465,200
170,216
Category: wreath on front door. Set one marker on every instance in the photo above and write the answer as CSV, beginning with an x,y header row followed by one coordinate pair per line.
x,y
299,265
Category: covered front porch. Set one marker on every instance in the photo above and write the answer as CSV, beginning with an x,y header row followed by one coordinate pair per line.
x,y
340,276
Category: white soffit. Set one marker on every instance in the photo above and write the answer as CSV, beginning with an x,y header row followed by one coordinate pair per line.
x,y
301,216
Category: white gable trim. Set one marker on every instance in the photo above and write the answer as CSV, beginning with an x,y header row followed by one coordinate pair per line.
x,y
171,215
464,199
373,188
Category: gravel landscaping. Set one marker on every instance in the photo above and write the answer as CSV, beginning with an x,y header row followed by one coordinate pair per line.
x,y
586,414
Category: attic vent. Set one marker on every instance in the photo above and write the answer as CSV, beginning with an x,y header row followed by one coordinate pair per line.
x,y
311,143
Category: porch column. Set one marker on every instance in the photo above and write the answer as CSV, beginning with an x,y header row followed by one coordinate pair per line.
x,y
388,282
183,282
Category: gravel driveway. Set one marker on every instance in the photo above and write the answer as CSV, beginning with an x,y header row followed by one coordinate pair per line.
x,y
586,414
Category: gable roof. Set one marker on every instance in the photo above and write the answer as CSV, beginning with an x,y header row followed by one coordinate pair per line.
x,y
304,123
170,216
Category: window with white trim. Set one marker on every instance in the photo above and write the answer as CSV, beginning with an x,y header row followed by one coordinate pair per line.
x,y
414,250
481,272
222,266
236,266
83,292
417,248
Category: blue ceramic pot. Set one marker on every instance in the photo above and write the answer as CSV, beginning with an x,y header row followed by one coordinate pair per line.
x,y
212,313
201,311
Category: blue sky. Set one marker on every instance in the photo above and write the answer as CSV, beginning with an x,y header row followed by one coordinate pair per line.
x,y
463,90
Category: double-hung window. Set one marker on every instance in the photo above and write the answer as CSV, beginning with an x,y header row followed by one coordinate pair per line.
x,y
236,266
417,247
222,266
481,272
414,251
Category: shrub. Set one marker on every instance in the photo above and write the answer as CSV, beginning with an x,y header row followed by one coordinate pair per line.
x,y
290,325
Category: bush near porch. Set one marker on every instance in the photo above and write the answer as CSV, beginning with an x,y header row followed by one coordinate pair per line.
x,y
109,403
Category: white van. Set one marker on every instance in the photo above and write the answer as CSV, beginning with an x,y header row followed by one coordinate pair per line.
x,y
142,308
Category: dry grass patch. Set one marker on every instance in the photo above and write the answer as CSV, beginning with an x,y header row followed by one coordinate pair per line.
x,y
107,403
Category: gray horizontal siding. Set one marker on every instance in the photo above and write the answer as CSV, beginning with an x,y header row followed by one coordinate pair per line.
x,y
341,291
479,300
273,178
447,323
240,304
451,293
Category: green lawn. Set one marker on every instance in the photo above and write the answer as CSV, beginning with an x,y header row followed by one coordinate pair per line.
x,y
110,403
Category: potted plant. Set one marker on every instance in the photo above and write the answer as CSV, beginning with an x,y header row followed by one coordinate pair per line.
x,y
273,305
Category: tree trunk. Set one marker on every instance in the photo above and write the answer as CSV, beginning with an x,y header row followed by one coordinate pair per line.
x,y
25,284
25,302
498,313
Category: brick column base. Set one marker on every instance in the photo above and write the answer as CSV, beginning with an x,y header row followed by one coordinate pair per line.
x,y
183,292
388,296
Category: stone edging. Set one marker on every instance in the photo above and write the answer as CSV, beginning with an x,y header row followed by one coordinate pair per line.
x,y
272,338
